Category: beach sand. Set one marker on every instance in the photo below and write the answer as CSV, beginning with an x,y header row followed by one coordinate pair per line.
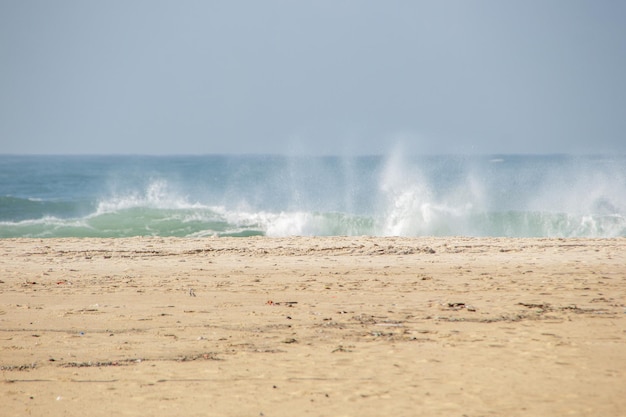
x,y
341,326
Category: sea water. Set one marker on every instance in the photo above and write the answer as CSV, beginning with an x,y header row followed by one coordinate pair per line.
x,y
392,195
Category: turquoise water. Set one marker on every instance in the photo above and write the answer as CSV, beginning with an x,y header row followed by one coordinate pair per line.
x,y
503,195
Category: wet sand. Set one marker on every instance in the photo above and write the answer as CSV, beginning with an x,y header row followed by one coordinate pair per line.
x,y
313,326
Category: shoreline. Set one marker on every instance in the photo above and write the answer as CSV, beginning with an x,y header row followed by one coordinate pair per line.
x,y
313,325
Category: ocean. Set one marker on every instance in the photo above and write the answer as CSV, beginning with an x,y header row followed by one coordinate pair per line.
x,y
249,195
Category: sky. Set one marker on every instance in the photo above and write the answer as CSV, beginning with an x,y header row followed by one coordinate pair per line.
x,y
312,77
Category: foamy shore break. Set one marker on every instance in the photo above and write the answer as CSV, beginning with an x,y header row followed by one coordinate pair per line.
x,y
353,326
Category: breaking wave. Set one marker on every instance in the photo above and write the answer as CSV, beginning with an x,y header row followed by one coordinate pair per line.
x,y
394,196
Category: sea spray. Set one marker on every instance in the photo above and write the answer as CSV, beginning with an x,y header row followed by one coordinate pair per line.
x,y
406,197
416,203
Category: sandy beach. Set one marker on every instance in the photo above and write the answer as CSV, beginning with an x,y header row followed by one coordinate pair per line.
x,y
342,326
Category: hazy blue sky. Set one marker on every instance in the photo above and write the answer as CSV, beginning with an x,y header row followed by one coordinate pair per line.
x,y
324,77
